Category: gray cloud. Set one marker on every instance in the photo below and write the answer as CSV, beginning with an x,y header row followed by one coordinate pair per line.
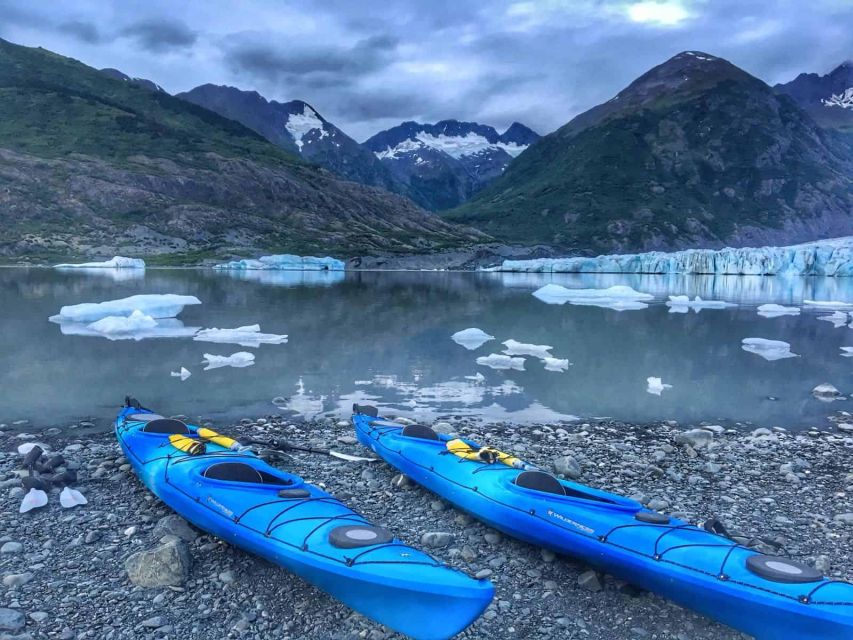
x,y
375,63
160,35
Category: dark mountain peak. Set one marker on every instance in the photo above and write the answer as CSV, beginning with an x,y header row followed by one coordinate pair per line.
x,y
828,99
843,72
519,134
142,82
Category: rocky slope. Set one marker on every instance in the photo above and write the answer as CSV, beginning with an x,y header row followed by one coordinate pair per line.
x,y
828,99
93,164
299,128
443,164
694,153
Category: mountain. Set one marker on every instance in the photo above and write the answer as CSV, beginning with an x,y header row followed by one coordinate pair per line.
x,y
828,99
694,153
297,127
142,82
443,164
90,164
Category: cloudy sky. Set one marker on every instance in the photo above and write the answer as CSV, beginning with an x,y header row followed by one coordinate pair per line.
x,y
369,64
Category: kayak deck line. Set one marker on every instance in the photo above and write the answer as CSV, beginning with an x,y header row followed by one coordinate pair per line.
x,y
648,541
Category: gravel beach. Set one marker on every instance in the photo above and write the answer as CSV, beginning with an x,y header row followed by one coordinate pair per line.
x,y
65,573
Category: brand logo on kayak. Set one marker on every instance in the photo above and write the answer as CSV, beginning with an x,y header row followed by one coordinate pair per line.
x,y
576,525
221,507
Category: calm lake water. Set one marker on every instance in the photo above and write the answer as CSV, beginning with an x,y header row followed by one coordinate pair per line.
x,y
384,337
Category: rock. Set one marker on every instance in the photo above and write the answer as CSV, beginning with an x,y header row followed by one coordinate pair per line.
x,y
468,554
826,391
590,581
436,539
844,426
492,537
168,564
483,573
567,466
17,579
153,623
696,438
547,555
401,481
844,518
227,577
347,440
39,616
11,620
11,547
437,505
174,525
92,536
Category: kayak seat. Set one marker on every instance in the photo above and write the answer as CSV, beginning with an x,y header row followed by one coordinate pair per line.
x,y
540,481
166,425
241,472
419,431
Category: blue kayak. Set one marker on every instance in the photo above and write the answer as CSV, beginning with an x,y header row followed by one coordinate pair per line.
x,y
234,495
768,597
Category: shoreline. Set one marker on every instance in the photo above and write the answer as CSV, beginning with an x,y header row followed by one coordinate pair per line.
x,y
782,492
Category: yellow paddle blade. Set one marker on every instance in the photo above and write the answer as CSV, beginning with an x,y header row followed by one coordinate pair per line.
x,y
223,441
187,445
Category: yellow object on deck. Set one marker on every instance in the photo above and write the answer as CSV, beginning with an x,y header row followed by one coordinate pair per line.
x,y
187,445
223,441
489,455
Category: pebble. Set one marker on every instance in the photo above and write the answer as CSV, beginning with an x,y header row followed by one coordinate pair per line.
x,y
436,539
590,581
11,619
12,547
567,466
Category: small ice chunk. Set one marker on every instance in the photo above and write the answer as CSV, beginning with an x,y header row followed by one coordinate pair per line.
x,y
163,328
156,305
69,498
847,352
183,374
478,377
500,361
25,448
136,321
472,338
776,310
656,385
828,304
837,318
556,364
34,499
680,304
116,262
247,336
515,348
768,349
239,359
827,393
619,297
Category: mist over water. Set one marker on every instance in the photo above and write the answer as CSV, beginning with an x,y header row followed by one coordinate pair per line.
x,y
384,337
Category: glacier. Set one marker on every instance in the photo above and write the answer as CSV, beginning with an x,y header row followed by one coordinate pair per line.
x,y
156,305
833,257
284,262
116,262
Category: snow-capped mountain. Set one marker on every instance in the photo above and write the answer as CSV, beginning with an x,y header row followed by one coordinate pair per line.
x,y
829,98
444,163
299,128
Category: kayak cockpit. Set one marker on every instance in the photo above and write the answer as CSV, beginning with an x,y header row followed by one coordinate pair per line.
x,y
538,483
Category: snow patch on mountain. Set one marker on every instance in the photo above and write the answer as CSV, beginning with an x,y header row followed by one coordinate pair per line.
x,y
843,100
300,125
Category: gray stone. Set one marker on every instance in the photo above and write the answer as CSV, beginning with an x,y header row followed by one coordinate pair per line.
x,y
483,573
443,427
401,481
153,623
436,539
174,525
12,547
17,579
39,616
567,466
11,620
844,518
168,564
695,438
227,577
590,581
92,536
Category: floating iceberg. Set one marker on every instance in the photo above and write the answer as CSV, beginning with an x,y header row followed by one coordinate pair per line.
x,y
280,278
837,318
847,352
472,338
515,348
284,262
556,364
248,336
618,297
135,322
118,262
828,304
156,305
821,258
183,374
768,349
656,386
239,359
501,362
776,310
682,304
479,377
164,328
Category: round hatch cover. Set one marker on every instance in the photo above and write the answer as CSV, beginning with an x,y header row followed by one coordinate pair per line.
x,y
784,570
360,535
